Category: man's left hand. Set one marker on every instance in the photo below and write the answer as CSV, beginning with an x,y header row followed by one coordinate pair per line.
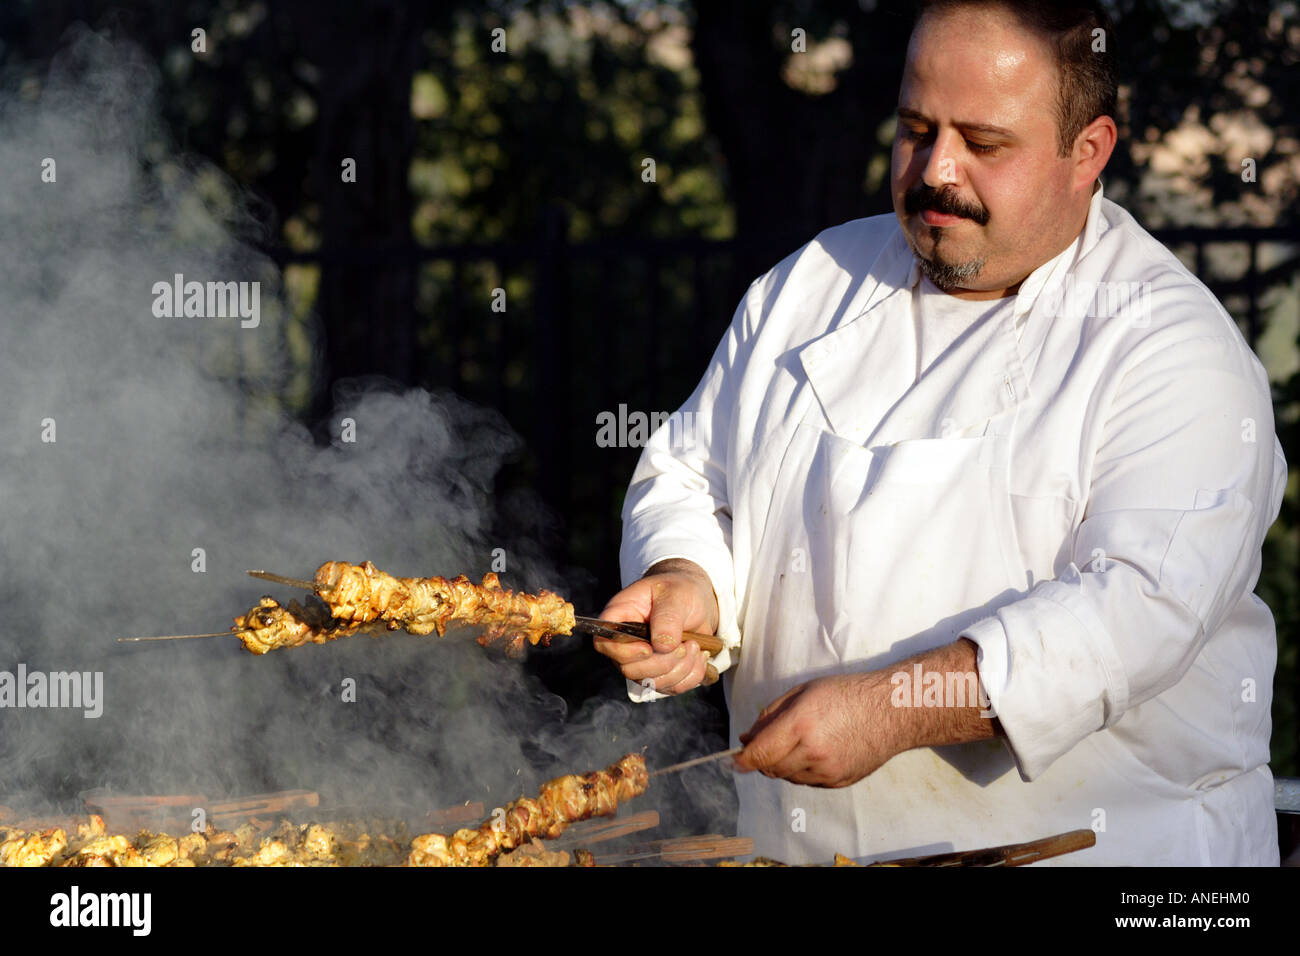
x,y
830,732
833,731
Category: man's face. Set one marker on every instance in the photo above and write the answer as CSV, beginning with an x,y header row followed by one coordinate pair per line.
x,y
978,186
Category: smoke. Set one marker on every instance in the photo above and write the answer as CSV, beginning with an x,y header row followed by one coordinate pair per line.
x,y
148,460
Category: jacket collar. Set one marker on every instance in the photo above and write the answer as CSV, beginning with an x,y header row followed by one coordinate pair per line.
x,y
1053,272
863,371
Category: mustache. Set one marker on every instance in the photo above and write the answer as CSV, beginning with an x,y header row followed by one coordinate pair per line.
x,y
943,200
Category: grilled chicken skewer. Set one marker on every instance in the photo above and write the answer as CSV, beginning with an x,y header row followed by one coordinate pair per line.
x,y
560,802
363,593
268,625
352,597
361,597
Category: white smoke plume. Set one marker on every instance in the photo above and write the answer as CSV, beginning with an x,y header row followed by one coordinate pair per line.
x,y
167,437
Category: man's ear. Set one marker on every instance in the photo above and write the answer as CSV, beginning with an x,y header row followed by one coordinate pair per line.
x,y
1092,149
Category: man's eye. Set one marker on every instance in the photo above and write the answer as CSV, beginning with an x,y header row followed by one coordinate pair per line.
x,y
911,133
981,147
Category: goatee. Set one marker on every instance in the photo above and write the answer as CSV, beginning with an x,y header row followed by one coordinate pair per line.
x,y
944,274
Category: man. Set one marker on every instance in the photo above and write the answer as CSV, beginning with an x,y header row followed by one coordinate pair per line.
x,y
1005,437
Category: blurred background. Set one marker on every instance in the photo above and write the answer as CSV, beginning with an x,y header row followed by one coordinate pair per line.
x,y
623,170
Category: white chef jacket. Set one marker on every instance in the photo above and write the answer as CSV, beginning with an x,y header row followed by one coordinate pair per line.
x,y
1080,485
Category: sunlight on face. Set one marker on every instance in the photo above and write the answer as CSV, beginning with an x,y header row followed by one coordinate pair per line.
x,y
978,186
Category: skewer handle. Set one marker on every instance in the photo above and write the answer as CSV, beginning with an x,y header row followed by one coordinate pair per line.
x,y
1012,854
640,631
627,631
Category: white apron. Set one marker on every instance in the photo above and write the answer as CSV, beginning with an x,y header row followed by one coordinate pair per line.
x,y
879,547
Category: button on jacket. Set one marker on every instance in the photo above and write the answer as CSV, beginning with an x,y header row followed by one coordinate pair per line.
x,y
1081,485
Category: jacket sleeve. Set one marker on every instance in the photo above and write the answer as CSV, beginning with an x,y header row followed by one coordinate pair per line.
x,y
1186,478
678,503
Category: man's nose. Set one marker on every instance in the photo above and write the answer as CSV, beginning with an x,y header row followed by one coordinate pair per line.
x,y
941,167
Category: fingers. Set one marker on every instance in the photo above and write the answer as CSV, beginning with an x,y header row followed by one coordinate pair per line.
x,y
664,602
623,652
773,744
779,752
765,751
668,612
630,604
796,766
695,677
668,603
667,670
673,673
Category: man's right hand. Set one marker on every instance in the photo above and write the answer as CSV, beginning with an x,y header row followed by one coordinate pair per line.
x,y
674,596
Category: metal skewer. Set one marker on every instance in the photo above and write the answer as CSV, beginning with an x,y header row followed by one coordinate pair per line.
x,y
681,849
610,629
181,637
697,761
615,630
288,582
